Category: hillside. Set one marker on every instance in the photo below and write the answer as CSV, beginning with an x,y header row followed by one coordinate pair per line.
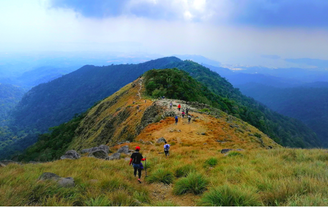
x,y
308,104
126,115
256,172
56,102
10,95
284,130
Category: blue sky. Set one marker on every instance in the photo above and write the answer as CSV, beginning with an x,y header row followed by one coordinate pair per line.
x,y
246,32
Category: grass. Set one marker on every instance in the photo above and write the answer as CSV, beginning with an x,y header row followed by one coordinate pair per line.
x,y
161,176
194,183
284,177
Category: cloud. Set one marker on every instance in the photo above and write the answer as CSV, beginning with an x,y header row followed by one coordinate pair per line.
x,y
274,57
260,13
268,13
91,9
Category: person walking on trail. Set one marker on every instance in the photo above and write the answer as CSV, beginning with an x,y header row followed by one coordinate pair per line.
x,y
179,107
166,149
189,118
187,109
176,120
135,160
171,104
183,114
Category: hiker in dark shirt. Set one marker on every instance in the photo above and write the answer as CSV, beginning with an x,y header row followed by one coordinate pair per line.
x,y
136,159
176,120
187,110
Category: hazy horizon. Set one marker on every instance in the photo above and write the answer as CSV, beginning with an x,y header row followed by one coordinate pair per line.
x,y
246,33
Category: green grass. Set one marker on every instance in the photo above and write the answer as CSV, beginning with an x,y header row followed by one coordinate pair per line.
x,y
227,195
284,177
194,183
161,176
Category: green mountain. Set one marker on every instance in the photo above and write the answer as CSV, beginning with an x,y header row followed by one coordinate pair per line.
x,y
56,102
286,131
10,95
126,116
308,104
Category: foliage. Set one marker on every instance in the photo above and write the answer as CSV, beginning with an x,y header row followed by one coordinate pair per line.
x,y
262,177
161,175
211,162
306,104
177,84
184,171
227,195
194,183
284,130
52,145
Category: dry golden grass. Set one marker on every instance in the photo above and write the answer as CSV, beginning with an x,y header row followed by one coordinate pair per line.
x,y
267,177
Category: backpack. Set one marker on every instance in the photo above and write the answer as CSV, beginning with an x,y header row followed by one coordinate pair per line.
x,y
166,147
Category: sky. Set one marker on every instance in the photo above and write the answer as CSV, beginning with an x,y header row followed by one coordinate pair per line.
x,y
270,33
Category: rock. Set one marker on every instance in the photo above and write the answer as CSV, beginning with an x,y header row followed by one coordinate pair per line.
x,y
115,156
100,154
203,133
205,143
66,182
104,148
62,182
49,176
93,149
70,154
7,162
149,143
161,140
224,151
124,149
2,165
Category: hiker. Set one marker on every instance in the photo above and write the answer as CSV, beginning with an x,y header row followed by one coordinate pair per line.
x,y
179,107
171,105
187,109
189,118
166,149
136,159
183,113
176,120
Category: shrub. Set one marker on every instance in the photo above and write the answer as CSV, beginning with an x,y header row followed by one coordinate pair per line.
x,y
211,162
184,171
229,196
233,154
194,183
99,201
161,175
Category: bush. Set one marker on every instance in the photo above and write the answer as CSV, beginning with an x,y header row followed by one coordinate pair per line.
x,y
184,171
211,162
99,201
194,183
233,154
229,196
161,175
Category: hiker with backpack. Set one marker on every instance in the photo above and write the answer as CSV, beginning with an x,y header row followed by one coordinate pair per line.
x,y
183,114
176,120
171,104
189,118
166,149
179,107
135,160
187,110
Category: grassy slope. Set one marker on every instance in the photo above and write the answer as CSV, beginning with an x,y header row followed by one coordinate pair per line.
x,y
255,177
